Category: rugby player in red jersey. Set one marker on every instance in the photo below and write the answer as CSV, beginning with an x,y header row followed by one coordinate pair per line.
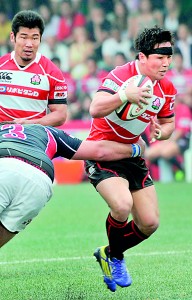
x,y
126,185
32,88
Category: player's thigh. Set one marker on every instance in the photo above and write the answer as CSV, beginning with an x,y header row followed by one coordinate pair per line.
x,y
5,235
145,208
115,191
34,189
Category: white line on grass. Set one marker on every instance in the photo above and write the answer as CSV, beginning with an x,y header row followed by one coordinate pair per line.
x,y
57,259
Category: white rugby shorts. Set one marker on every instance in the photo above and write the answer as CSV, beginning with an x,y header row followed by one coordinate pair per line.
x,y
24,191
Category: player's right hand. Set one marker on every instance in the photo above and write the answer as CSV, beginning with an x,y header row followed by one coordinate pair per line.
x,y
137,95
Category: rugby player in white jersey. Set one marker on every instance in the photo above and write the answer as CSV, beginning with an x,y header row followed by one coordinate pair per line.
x,y
27,172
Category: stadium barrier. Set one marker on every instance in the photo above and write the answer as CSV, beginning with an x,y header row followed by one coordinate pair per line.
x,y
71,171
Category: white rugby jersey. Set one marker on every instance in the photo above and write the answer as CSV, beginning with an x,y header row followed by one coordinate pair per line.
x,y
26,92
112,127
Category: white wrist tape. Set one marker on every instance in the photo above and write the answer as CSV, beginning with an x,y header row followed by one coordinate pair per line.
x,y
122,96
159,134
136,150
157,137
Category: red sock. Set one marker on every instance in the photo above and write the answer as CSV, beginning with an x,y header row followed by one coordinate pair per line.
x,y
122,236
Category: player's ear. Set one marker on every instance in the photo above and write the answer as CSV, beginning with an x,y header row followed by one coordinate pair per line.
x,y
142,56
12,37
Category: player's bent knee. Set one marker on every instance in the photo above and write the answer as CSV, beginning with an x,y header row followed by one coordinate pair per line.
x,y
150,228
121,211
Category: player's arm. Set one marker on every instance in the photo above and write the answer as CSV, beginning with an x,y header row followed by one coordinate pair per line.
x,y
104,103
108,150
56,117
162,129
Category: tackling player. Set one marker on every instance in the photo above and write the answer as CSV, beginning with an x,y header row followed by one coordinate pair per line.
x,y
27,171
126,184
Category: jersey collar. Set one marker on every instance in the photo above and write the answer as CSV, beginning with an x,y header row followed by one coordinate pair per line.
x,y
36,60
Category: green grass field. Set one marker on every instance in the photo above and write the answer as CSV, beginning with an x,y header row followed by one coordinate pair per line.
x,y
52,259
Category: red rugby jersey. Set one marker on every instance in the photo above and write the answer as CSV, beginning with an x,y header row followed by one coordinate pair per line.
x,y
112,127
25,92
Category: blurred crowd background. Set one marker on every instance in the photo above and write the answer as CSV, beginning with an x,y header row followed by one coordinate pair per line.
x,y
88,38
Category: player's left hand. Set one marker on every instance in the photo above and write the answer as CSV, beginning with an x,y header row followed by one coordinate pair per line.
x,y
155,131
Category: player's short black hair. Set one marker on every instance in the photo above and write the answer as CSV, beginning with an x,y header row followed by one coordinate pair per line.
x,y
149,37
29,19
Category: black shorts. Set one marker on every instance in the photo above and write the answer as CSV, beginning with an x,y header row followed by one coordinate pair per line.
x,y
132,169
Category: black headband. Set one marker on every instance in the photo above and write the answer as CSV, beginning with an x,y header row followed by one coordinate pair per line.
x,y
161,50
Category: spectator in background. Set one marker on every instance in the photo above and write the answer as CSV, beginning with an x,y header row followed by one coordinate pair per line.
x,y
132,5
145,17
98,28
112,45
79,50
5,28
74,105
184,43
88,85
52,48
107,6
54,6
171,15
185,17
181,78
81,6
69,19
51,22
26,5
120,17
120,59
93,78
172,150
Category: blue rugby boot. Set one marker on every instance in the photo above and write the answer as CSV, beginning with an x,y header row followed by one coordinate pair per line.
x,y
120,273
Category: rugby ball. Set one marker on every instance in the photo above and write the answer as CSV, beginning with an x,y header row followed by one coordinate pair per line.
x,y
128,111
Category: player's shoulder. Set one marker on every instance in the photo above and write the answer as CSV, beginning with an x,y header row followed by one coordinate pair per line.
x,y
5,57
123,72
50,68
167,86
56,132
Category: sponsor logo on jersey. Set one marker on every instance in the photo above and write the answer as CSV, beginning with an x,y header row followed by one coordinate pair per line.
x,y
146,116
60,95
36,79
5,76
61,87
156,104
3,89
111,85
20,91
171,105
